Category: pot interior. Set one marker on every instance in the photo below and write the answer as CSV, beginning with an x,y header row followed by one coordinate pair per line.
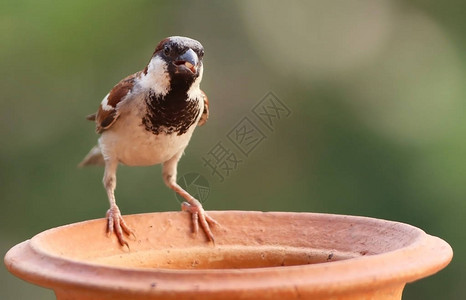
x,y
244,240
222,257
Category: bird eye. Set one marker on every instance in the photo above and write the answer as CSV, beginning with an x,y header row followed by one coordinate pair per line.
x,y
166,50
201,53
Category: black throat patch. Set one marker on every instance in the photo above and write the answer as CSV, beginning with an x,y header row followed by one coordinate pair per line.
x,y
172,113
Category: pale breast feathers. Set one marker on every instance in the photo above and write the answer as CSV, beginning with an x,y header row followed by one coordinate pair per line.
x,y
108,111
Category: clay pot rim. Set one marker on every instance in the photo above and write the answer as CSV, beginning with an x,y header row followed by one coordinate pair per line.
x,y
383,268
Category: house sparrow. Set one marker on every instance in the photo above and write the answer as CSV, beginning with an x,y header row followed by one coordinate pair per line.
x,y
148,118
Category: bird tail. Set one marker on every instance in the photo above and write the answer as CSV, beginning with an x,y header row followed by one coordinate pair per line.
x,y
94,157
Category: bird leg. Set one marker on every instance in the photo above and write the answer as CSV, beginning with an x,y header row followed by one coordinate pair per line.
x,y
198,214
192,205
115,222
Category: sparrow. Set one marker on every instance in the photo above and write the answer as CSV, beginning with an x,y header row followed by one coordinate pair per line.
x,y
147,119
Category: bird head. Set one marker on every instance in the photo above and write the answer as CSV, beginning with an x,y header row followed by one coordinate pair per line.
x,y
179,59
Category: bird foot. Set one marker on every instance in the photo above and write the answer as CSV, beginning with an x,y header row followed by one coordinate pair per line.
x,y
199,216
116,224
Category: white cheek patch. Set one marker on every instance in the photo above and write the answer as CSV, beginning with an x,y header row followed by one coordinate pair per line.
x,y
105,105
194,91
157,77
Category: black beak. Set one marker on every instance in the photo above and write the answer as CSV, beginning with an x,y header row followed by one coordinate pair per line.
x,y
187,60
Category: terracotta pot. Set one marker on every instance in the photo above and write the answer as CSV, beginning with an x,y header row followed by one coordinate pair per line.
x,y
256,256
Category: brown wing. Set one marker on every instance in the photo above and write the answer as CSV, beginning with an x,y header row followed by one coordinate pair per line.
x,y
205,113
108,111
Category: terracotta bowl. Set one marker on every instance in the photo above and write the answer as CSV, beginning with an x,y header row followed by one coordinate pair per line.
x,y
257,255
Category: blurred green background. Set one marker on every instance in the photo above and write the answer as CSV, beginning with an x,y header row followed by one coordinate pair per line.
x,y
376,90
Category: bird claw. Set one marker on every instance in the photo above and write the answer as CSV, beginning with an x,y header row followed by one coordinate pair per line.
x,y
199,216
116,224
